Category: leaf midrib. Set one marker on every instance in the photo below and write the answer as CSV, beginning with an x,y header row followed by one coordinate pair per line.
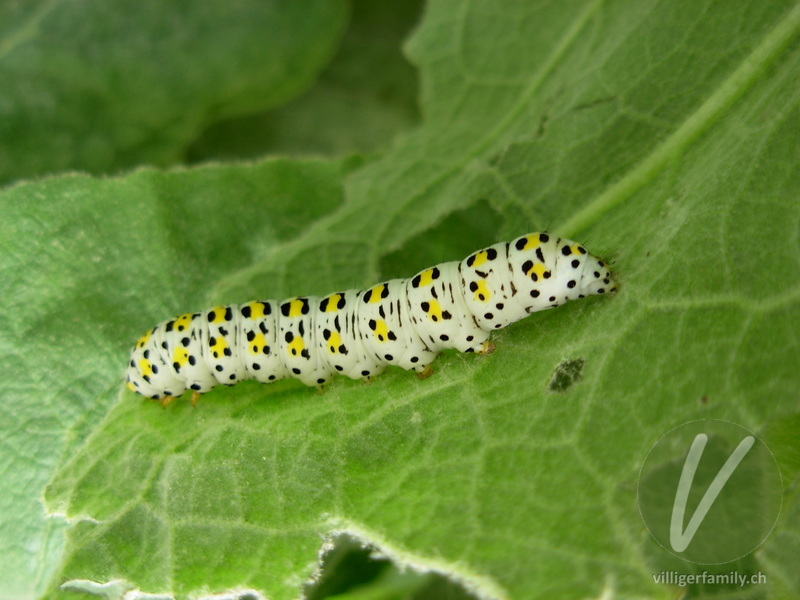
x,y
717,104
26,32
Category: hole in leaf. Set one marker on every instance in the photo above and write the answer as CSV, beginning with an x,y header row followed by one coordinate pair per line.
x,y
233,595
350,567
566,374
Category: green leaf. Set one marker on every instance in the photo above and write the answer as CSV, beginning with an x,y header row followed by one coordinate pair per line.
x,y
84,261
100,86
365,96
664,135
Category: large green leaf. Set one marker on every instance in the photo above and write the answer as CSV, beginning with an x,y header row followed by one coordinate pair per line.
x,y
663,134
366,95
101,85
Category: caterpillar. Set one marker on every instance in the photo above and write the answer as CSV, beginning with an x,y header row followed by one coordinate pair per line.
x,y
402,322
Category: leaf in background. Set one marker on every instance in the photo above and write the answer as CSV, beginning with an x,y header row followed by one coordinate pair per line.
x,y
663,133
366,95
100,86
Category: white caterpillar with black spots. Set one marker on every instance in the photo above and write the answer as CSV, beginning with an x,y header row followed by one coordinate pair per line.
x,y
402,322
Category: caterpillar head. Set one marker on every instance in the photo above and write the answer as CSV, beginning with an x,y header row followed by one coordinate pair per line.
x,y
548,271
597,278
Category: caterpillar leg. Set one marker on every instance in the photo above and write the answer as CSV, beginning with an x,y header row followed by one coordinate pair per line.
x,y
195,397
487,348
166,401
425,372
